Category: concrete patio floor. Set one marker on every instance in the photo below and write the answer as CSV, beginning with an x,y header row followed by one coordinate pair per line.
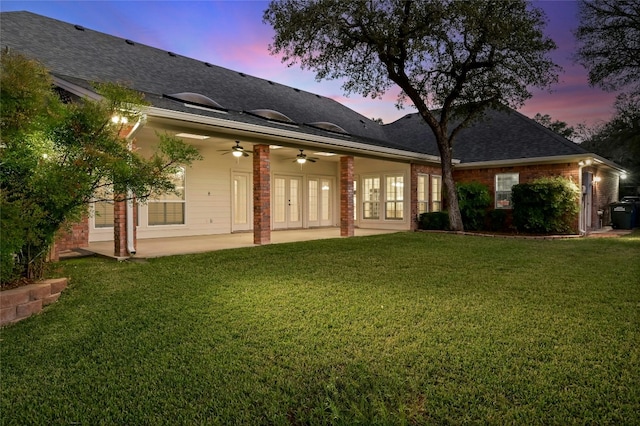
x,y
159,247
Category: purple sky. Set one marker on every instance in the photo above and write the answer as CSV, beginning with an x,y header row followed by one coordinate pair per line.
x,y
231,34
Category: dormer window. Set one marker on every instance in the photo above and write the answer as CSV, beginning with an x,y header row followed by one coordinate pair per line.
x,y
195,99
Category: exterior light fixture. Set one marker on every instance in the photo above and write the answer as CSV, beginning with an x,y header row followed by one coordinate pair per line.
x,y
117,119
597,179
301,160
623,176
237,154
588,162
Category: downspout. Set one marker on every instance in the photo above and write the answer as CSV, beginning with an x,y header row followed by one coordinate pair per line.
x,y
130,225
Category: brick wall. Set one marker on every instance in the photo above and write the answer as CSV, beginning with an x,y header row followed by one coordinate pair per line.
x,y
605,192
527,174
77,235
261,195
347,226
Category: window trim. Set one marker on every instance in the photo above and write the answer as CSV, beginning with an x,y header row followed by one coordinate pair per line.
x,y
433,202
399,198
182,201
500,203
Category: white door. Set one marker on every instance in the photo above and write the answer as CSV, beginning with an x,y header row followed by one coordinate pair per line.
x,y
241,202
320,194
287,208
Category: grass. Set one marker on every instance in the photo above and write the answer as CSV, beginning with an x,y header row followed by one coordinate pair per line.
x,y
408,328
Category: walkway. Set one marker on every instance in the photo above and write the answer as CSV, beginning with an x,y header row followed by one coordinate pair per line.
x,y
159,247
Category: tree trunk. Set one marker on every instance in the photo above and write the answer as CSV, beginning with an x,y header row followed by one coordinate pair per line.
x,y
455,218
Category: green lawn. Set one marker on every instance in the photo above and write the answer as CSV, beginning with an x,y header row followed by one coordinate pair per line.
x,y
409,328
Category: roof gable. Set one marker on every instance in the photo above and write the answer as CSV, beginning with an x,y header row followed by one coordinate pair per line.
x,y
499,135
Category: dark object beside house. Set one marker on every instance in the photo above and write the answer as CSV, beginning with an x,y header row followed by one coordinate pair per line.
x,y
624,215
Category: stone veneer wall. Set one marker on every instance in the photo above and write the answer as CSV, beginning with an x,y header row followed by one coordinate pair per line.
x,y
19,303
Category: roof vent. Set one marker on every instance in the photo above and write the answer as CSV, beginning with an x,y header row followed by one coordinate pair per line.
x,y
79,27
129,42
208,64
270,114
242,74
331,127
297,90
195,99
171,54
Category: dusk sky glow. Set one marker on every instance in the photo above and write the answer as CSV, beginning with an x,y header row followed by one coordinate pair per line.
x,y
231,34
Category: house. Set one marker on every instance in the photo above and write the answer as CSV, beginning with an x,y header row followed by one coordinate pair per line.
x,y
357,173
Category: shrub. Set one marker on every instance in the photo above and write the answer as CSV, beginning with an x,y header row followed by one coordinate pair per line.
x,y
474,200
547,206
498,220
434,221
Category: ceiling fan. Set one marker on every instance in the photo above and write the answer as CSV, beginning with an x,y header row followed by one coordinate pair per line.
x,y
303,158
237,151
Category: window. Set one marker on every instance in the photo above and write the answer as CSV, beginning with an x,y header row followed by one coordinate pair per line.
x,y
394,192
436,193
168,209
103,207
423,194
371,198
504,182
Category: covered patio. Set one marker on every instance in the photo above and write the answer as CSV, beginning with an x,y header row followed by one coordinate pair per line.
x,y
159,247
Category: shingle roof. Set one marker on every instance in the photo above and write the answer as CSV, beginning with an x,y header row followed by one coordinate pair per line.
x,y
81,55
500,135
96,57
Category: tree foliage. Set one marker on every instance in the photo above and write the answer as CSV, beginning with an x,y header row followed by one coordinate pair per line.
x,y
557,126
55,155
608,35
451,59
619,140
474,202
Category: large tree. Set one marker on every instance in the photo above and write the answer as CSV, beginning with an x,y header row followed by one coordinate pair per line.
x,y
55,155
557,126
619,140
451,59
609,37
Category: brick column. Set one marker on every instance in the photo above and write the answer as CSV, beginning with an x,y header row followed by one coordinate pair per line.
x,y
120,226
346,197
413,208
261,195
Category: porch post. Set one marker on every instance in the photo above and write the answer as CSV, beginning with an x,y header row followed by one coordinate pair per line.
x,y
413,208
346,197
261,195
119,226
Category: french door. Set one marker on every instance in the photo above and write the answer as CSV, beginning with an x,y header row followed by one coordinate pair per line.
x,y
241,217
287,206
320,195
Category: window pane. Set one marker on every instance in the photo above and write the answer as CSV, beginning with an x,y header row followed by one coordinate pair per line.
x,y
326,204
504,182
313,200
394,210
371,198
169,209
423,194
166,213
436,193
103,214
